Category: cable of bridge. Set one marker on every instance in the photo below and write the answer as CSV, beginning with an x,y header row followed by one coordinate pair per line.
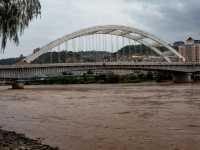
x,y
94,45
106,48
134,49
58,52
51,53
117,48
123,48
129,49
112,48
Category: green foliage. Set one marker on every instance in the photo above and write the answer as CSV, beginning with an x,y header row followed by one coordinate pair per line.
x,y
62,80
131,78
150,76
101,78
159,77
70,57
90,72
139,49
15,16
141,76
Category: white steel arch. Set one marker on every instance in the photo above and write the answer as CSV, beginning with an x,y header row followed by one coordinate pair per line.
x,y
123,31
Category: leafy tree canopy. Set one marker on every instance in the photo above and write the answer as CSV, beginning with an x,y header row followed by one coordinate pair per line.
x,y
15,16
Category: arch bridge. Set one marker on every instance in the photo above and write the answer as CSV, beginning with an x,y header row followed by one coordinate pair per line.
x,y
138,36
130,38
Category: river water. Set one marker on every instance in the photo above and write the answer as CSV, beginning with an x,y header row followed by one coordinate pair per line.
x,y
146,116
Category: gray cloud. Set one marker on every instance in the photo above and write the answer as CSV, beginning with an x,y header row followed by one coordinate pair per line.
x,y
171,20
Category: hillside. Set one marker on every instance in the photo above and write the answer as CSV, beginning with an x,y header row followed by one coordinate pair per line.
x,y
85,56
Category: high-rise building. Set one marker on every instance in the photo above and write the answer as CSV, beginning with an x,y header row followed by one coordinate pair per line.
x,y
190,50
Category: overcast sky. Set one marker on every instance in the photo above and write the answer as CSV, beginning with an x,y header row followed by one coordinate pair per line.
x,y
170,20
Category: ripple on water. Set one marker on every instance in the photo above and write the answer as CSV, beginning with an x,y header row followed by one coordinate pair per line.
x,y
124,116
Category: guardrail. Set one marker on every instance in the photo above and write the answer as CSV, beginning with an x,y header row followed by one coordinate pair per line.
x,y
97,64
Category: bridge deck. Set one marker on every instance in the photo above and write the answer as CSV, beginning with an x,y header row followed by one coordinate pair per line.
x,y
38,70
96,64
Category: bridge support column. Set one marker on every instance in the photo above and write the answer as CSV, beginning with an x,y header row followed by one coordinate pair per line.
x,y
17,85
182,77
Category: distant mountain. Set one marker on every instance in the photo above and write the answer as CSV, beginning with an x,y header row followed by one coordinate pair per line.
x,y
135,50
10,61
86,56
71,57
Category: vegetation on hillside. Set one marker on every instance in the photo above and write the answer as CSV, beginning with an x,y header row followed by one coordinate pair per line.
x,y
135,50
86,56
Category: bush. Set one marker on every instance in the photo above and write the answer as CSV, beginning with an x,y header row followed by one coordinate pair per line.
x,y
141,76
112,78
102,78
149,76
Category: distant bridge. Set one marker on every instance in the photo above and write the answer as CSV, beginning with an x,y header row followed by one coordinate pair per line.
x,y
17,72
97,38
130,33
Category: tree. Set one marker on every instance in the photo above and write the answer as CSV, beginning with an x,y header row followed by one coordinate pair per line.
x,y
15,16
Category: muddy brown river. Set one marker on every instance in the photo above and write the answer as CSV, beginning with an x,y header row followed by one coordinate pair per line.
x,y
146,116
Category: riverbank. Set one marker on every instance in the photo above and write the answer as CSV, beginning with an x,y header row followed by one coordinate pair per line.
x,y
14,141
100,79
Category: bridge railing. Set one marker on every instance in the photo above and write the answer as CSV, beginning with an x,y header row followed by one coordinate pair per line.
x,y
21,66
33,70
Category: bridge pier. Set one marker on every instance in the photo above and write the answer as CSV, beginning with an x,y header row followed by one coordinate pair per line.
x,y
182,77
17,85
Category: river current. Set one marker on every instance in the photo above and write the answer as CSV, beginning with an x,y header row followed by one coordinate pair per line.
x,y
147,116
